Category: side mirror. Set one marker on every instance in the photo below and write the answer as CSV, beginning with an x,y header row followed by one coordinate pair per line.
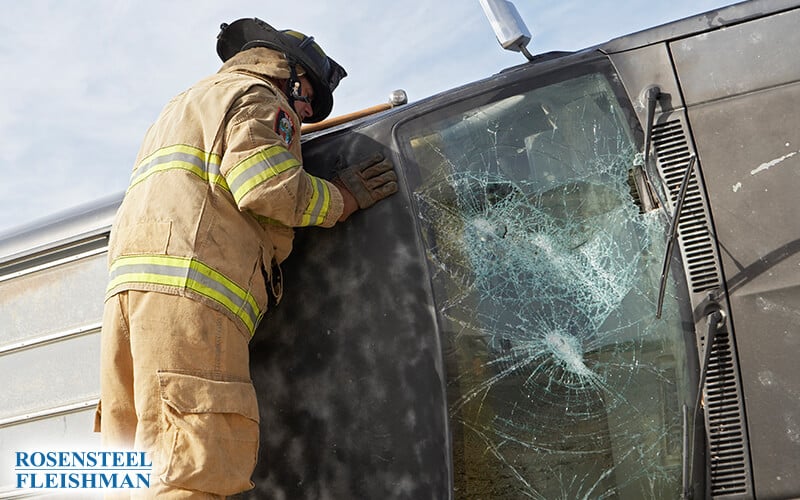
x,y
508,26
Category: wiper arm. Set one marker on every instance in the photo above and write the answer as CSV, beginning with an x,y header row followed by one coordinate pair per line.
x,y
651,95
673,233
715,320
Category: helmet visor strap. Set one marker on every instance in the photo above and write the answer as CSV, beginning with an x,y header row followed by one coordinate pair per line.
x,y
293,84
297,96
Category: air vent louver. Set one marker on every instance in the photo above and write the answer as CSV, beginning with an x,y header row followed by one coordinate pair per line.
x,y
728,458
673,156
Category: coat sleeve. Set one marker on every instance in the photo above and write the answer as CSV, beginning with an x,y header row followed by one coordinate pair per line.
x,y
264,177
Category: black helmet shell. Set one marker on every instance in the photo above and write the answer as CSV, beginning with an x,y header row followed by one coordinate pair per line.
x,y
322,71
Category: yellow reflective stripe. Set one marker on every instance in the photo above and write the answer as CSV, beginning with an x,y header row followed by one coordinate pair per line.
x,y
190,274
180,157
258,168
319,203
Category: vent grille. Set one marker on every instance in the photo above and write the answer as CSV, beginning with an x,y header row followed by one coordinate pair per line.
x,y
727,454
673,155
729,460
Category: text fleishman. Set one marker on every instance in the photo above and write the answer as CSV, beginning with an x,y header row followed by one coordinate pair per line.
x,y
83,480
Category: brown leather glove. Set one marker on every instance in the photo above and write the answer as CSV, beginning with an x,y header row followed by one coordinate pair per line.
x,y
370,180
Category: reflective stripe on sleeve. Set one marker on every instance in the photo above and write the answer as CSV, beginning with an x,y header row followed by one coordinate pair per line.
x,y
258,168
180,157
319,203
189,274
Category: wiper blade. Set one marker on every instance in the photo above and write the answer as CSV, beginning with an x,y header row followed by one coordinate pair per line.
x,y
686,460
715,320
673,233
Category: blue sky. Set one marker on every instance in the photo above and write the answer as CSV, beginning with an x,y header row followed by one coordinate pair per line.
x,y
83,79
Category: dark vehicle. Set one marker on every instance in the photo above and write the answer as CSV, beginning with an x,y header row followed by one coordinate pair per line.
x,y
587,287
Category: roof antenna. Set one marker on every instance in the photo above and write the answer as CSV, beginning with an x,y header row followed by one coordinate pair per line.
x,y
508,26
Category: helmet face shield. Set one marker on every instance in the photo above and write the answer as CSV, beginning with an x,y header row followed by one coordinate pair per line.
x,y
323,72
335,74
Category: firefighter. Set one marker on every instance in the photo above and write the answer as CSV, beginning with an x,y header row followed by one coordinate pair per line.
x,y
195,251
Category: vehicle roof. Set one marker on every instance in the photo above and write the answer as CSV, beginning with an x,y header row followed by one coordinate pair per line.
x,y
707,21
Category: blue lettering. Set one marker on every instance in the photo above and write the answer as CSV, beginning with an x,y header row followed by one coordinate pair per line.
x,y
54,469
77,459
126,482
143,480
21,480
74,480
37,459
89,481
108,481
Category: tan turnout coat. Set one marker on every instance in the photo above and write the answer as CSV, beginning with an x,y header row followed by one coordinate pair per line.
x,y
217,187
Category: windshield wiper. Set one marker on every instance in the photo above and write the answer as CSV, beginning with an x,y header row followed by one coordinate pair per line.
x,y
673,233
651,95
715,319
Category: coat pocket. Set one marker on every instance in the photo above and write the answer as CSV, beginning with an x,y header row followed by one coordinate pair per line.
x,y
145,237
211,439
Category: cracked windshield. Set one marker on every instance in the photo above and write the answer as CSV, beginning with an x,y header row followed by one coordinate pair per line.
x,y
561,383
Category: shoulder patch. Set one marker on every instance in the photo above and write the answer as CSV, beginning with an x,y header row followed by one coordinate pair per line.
x,y
284,126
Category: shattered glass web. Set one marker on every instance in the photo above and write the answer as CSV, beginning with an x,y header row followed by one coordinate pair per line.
x,y
561,382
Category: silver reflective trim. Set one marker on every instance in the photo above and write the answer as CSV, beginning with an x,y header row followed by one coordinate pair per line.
x,y
144,170
322,200
188,273
184,157
269,162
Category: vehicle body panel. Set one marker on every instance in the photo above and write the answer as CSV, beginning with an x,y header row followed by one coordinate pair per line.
x,y
744,115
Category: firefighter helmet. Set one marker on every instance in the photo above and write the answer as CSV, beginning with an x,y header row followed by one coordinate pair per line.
x,y
322,71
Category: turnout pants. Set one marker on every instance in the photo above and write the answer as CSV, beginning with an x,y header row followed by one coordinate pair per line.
x,y
175,382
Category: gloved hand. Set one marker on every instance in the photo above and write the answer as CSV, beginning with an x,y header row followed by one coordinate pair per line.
x,y
370,180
